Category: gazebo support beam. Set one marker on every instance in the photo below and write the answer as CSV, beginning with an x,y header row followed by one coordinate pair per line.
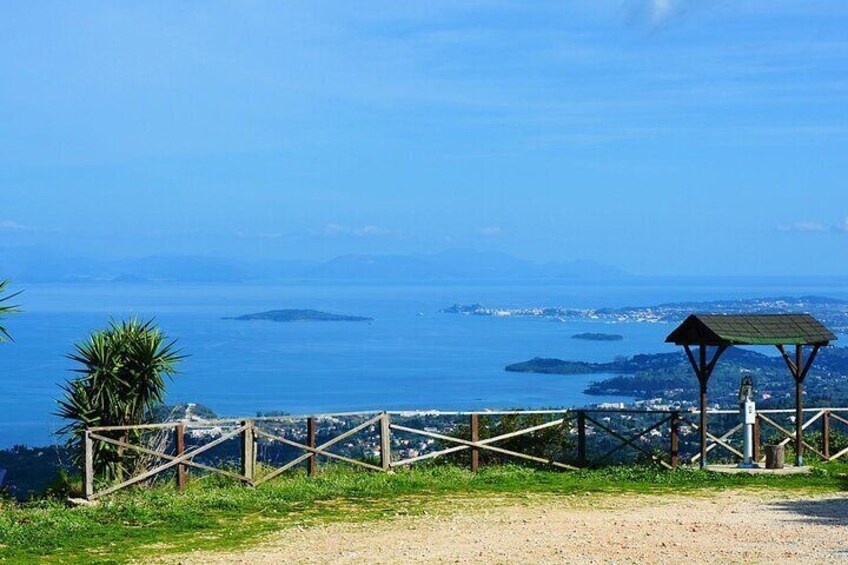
x,y
799,371
703,370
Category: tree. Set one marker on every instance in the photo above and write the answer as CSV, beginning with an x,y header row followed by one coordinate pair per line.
x,y
5,309
123,369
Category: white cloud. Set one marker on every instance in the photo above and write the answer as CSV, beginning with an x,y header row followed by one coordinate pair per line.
x,y
809,226
489,231
661,10
369,230
372,231
804,227
331,230
10,225
260,235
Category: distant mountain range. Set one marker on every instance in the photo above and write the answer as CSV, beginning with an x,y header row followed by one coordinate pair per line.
x,y
36,265
457,264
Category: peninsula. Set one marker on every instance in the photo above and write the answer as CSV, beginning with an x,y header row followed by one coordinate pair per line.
x,y
832,312
668,376
300,316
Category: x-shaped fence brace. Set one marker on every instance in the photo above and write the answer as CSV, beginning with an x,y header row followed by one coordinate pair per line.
x,y
173,460
485,444
319,450
718,441
631,441
790,436
844,451
252,432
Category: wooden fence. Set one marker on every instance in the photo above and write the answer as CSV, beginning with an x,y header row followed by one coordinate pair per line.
x,y
659,440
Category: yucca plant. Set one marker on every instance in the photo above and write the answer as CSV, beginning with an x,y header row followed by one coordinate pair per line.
x,y
123,370
6,308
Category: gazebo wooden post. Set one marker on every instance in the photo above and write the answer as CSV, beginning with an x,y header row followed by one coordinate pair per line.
x,y
703,370
799,371
703,378
799,407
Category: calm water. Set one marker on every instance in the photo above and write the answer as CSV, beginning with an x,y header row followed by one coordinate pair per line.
x,y
409,357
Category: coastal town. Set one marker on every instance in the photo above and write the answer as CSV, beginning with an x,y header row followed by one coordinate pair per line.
x,y
831,311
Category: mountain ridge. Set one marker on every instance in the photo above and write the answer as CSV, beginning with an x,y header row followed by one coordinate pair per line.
x,y
35,265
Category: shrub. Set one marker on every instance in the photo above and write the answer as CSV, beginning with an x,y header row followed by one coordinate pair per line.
x,y
122,378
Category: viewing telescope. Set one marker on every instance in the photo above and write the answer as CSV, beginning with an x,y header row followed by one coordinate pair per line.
x,y
748,411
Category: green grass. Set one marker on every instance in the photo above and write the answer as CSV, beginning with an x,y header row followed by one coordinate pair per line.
x,y
215,514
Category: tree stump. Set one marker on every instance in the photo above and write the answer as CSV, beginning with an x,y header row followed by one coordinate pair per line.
x,y
774,456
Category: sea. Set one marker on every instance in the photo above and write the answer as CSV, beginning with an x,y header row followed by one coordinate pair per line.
x,y
410,357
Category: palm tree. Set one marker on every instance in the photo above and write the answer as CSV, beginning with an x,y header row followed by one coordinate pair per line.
x,y
122,371
5,309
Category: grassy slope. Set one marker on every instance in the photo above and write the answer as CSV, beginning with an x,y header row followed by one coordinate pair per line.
x,y
217,515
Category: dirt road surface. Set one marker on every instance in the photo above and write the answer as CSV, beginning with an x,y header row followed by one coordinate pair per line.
x,y
717,527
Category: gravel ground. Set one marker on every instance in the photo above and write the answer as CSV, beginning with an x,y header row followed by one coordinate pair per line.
x,y
720,527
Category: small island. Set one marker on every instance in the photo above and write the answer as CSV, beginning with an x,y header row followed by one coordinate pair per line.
x,y
589,336
300,316
620,365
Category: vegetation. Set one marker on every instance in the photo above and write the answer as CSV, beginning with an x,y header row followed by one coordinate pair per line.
x,y
597,336
123,370
642,362
31,470
217,514
6,308
301,316
554,443
669,376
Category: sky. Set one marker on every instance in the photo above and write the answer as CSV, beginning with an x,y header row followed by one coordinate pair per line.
x,y
665,137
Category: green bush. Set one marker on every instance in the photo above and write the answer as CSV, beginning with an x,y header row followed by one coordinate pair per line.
x,y
123,370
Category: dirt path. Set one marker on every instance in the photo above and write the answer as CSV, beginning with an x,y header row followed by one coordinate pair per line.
x,y
722,527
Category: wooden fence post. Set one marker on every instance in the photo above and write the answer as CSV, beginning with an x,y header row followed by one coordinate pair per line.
x,y
475,436
248,450
826,434
385,442
581,438
757,439
179,442
310,441
674,437
88,471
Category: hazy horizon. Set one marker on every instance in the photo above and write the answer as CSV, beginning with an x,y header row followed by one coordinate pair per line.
x,y
24,267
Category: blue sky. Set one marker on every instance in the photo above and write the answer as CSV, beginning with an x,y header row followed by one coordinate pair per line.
x,y
662,136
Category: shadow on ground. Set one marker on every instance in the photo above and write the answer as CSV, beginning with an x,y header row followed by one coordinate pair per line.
x,y
821,511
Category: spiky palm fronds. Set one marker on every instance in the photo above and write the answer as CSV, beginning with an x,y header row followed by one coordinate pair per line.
x,y
6,308
122,373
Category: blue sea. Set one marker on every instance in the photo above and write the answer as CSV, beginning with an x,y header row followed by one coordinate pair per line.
x,y
410,357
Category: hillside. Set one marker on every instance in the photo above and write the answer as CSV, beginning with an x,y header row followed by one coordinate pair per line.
x,y
669,376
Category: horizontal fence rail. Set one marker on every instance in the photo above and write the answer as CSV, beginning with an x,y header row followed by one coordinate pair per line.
x,y
257,450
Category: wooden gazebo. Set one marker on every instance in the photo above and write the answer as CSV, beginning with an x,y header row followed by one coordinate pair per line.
x,y
720,331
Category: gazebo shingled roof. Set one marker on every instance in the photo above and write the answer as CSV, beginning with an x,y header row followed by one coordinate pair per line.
x,y
751,329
